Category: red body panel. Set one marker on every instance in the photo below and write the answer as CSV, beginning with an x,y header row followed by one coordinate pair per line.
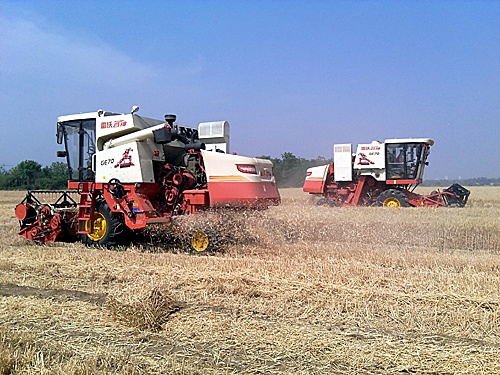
x,y
148,203
197,197
238,193
314,185
402,182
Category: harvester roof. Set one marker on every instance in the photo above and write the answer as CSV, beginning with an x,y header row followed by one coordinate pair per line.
x,y
427,141
85,116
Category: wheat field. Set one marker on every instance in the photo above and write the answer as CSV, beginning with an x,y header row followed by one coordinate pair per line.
x,y
299,289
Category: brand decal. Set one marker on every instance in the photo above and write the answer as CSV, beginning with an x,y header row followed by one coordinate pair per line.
x,y
363,160
113,124
126,160
107,161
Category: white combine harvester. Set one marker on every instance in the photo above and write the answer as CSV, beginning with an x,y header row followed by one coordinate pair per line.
x,y
379,173
131,171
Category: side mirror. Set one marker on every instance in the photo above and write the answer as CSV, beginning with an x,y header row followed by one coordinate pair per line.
x,y
60,134
61,154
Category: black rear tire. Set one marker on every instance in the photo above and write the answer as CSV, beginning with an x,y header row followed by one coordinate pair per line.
x,y
325,202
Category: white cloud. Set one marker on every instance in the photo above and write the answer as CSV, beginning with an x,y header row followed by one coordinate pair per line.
x,y
47,71
32,52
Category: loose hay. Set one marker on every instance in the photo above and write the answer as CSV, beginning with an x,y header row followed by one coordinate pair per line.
x,y
300,290
141,305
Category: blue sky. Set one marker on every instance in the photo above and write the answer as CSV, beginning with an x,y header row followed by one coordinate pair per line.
x,y
289,76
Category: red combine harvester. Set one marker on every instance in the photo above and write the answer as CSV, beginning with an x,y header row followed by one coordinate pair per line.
x,y
128,171
382,174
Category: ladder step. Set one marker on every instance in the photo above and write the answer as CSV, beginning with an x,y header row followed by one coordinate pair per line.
x,y
86,205
81,227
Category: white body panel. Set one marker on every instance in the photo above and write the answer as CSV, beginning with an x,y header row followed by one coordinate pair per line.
x,y
221,166
317,172
116,126
370,160
130,163
342,159
137,136
215,135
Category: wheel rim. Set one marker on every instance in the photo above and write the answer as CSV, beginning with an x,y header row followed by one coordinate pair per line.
x,y
392,202
199,241
96,226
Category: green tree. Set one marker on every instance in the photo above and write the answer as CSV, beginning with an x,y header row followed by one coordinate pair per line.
x,y
26,173
4,178
55,176
290,170
31,175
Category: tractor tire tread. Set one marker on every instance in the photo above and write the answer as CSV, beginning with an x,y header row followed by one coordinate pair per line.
x,y
116,234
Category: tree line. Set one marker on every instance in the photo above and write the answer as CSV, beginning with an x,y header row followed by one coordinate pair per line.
x,y
289,170
480,181
30,175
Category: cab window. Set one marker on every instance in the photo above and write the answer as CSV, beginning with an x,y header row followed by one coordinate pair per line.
x,y
79,142
402,161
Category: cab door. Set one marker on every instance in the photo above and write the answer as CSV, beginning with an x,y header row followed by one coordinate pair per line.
x,y
79,142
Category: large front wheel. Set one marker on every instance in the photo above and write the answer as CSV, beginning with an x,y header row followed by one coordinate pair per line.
x,y
104,228
393,198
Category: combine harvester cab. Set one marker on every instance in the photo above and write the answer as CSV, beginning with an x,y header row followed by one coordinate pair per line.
x,y
127,172
382,174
